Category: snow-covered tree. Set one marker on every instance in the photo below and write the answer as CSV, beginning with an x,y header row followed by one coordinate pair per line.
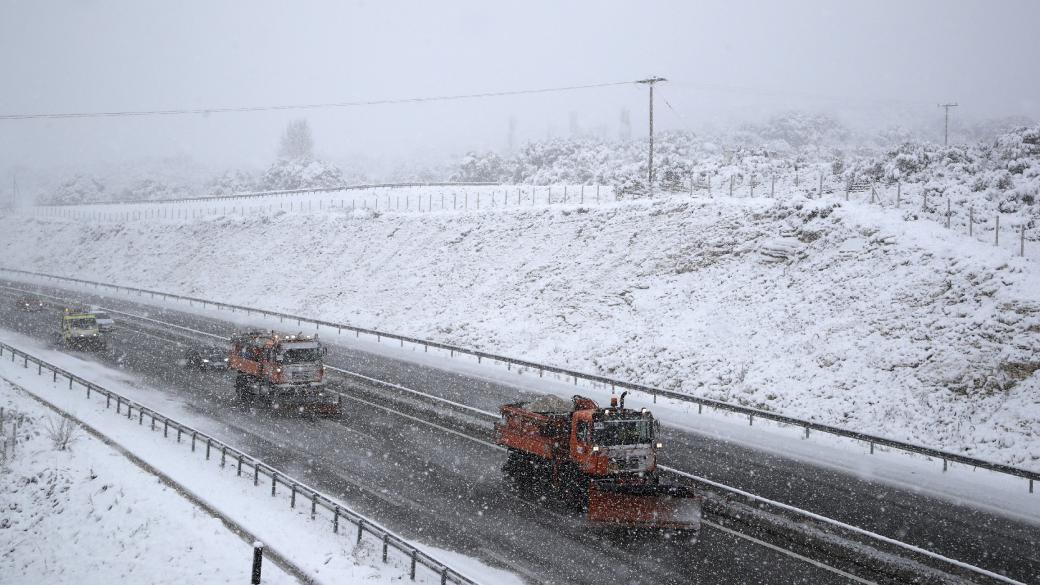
x,y
77,189
296,143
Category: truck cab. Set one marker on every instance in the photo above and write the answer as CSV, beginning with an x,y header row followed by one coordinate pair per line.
x,y
285,371
80,330
613,441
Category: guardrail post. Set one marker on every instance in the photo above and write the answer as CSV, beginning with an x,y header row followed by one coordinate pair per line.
x,y
335,519
166,428
700,408
256,473
209,443
361,529
193,433
129,408
1030,485
806,432
239,472
444,576
750,419
119,403
872,447
274,483
386,545
945,464
412,574
108,401
292,498
179,433
55,380
258,560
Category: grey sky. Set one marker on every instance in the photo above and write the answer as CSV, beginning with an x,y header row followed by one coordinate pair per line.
x,y
725,60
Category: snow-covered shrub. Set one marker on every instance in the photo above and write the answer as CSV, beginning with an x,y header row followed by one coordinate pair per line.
x,y
77,189
300,174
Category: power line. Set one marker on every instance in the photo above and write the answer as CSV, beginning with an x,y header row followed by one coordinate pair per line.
x,y
413,100
680,117
774,92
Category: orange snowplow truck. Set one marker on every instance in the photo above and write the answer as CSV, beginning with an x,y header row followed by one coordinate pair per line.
x,y
286,372
601,460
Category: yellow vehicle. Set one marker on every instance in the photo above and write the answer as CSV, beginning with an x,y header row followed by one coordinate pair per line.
x,y
80,330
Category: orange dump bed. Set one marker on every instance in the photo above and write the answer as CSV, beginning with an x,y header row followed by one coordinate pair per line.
x,y
541,434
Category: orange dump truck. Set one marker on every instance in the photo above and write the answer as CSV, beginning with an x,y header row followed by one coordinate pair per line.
x,y
602,460
285,372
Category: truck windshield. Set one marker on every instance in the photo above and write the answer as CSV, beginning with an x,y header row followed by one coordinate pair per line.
x,y
299,356
623,432
83,323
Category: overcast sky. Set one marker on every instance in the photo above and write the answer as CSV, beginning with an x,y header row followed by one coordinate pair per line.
x,y
726,61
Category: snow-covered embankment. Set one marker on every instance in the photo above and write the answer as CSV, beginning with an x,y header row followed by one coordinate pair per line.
x,y
839,313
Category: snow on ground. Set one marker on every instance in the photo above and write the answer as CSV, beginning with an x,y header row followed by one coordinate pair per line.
x,y
841,313
86,514
311,545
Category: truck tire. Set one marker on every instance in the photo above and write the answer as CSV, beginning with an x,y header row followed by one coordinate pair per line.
x,y
242,387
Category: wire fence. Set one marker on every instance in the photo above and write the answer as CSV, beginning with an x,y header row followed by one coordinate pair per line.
x,y
397,198
978,219
336,515
567,374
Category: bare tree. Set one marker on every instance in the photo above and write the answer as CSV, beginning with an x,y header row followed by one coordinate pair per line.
x,y
297,143
61,432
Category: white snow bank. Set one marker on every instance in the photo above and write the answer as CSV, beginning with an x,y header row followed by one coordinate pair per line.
x,y
87,515
842,314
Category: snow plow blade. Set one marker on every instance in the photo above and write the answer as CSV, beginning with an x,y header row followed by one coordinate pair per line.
x,y
653,506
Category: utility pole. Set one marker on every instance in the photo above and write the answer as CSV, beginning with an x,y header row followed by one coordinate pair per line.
x,y
650,160
946,133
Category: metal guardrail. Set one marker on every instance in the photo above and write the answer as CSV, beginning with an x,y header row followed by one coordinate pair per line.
x,y
256,194
231,456
752,413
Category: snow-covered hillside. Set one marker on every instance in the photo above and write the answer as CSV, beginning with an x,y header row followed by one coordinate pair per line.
x,y
837,312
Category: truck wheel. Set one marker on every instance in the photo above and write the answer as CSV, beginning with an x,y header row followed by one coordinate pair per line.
x,y
241,388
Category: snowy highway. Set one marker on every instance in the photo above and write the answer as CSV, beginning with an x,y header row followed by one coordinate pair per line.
x,y
431,473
